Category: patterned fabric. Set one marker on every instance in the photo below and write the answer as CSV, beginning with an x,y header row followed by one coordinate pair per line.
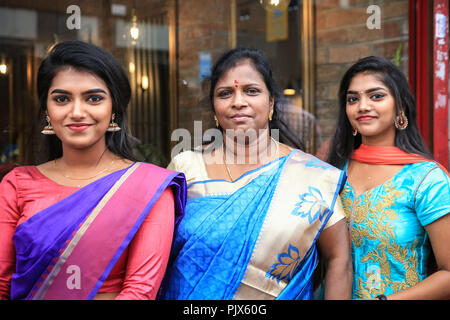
x,y
390,246
253,238
73,235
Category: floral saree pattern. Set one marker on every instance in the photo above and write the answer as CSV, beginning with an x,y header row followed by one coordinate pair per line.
x,y
254,238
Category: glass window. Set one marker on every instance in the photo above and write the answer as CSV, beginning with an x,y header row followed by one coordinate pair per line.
x,y
135,32
167,47
310,45
276,28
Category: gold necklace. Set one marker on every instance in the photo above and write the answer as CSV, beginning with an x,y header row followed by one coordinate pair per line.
x,y
89,178
228,169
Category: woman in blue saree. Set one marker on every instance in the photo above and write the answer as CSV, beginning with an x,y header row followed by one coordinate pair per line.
x,y
256,208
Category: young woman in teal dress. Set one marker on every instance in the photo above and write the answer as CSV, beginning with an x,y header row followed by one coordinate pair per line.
x,y
253,229
396,198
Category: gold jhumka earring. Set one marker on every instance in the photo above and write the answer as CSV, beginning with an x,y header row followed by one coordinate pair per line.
x,y
113,126
48,129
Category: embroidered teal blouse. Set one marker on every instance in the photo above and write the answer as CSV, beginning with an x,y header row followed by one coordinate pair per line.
x,y
389,244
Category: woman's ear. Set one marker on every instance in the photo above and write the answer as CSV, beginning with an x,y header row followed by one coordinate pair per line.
x,y
271,108
271,103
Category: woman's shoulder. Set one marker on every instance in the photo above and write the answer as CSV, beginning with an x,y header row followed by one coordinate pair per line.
x,y
316,171
186,159
190,163
310,161
426,165
430,190
188,155
20,179
5,168
22,173
421,170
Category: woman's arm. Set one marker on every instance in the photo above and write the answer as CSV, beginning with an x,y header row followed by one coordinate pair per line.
x,y
149,251
334,245
432,206
9,215
437,285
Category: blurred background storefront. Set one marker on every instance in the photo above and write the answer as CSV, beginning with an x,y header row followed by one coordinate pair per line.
x,y
167,47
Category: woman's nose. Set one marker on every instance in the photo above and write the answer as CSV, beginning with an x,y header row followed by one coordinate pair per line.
x,y
364,104
239,100
77,109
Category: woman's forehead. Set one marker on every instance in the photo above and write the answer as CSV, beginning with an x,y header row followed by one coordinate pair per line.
x,y
242,71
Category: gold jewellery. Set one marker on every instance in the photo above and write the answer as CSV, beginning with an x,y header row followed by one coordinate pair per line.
x,y
48,129
401,121
228,169
91,177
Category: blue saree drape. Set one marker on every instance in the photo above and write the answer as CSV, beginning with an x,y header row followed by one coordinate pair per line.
x,y
251,238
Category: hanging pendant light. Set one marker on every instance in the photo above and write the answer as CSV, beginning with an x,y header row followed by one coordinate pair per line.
x,y
134,30
271,5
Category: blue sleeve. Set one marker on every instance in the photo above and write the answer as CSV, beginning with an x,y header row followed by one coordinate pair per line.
x,y
432,196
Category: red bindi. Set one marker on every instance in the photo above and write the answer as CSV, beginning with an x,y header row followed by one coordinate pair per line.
x,y
236,83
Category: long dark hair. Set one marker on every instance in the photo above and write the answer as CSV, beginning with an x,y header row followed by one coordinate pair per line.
x,y
87,57
230,59
409,140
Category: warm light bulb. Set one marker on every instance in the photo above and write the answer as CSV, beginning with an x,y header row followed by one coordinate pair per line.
x,y
289,92
131,67
271,5
144,83
134,31
3,68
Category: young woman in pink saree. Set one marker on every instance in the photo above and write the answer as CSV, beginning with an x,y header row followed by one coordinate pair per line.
x,y
90,223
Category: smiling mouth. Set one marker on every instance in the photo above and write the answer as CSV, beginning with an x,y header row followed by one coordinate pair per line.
x,y
365,118
78,126
240,117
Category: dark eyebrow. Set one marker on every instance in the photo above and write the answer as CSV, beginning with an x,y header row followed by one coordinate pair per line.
x,y
97,90
246,85
367,91
60,91
223,87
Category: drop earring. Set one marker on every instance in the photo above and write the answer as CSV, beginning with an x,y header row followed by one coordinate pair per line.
x,y
113,126
48,129
270,115
401,121
354,132
216,120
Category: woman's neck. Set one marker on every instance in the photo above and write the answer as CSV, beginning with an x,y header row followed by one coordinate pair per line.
x,y
84,159
378,141
245,150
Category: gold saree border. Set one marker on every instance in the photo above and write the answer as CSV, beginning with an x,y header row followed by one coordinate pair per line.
x,y
281,228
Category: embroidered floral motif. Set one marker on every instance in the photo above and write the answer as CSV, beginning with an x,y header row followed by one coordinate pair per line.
x,y
286,266
311,205
371,222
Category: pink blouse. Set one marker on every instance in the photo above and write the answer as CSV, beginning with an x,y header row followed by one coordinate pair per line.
x,y
138,273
